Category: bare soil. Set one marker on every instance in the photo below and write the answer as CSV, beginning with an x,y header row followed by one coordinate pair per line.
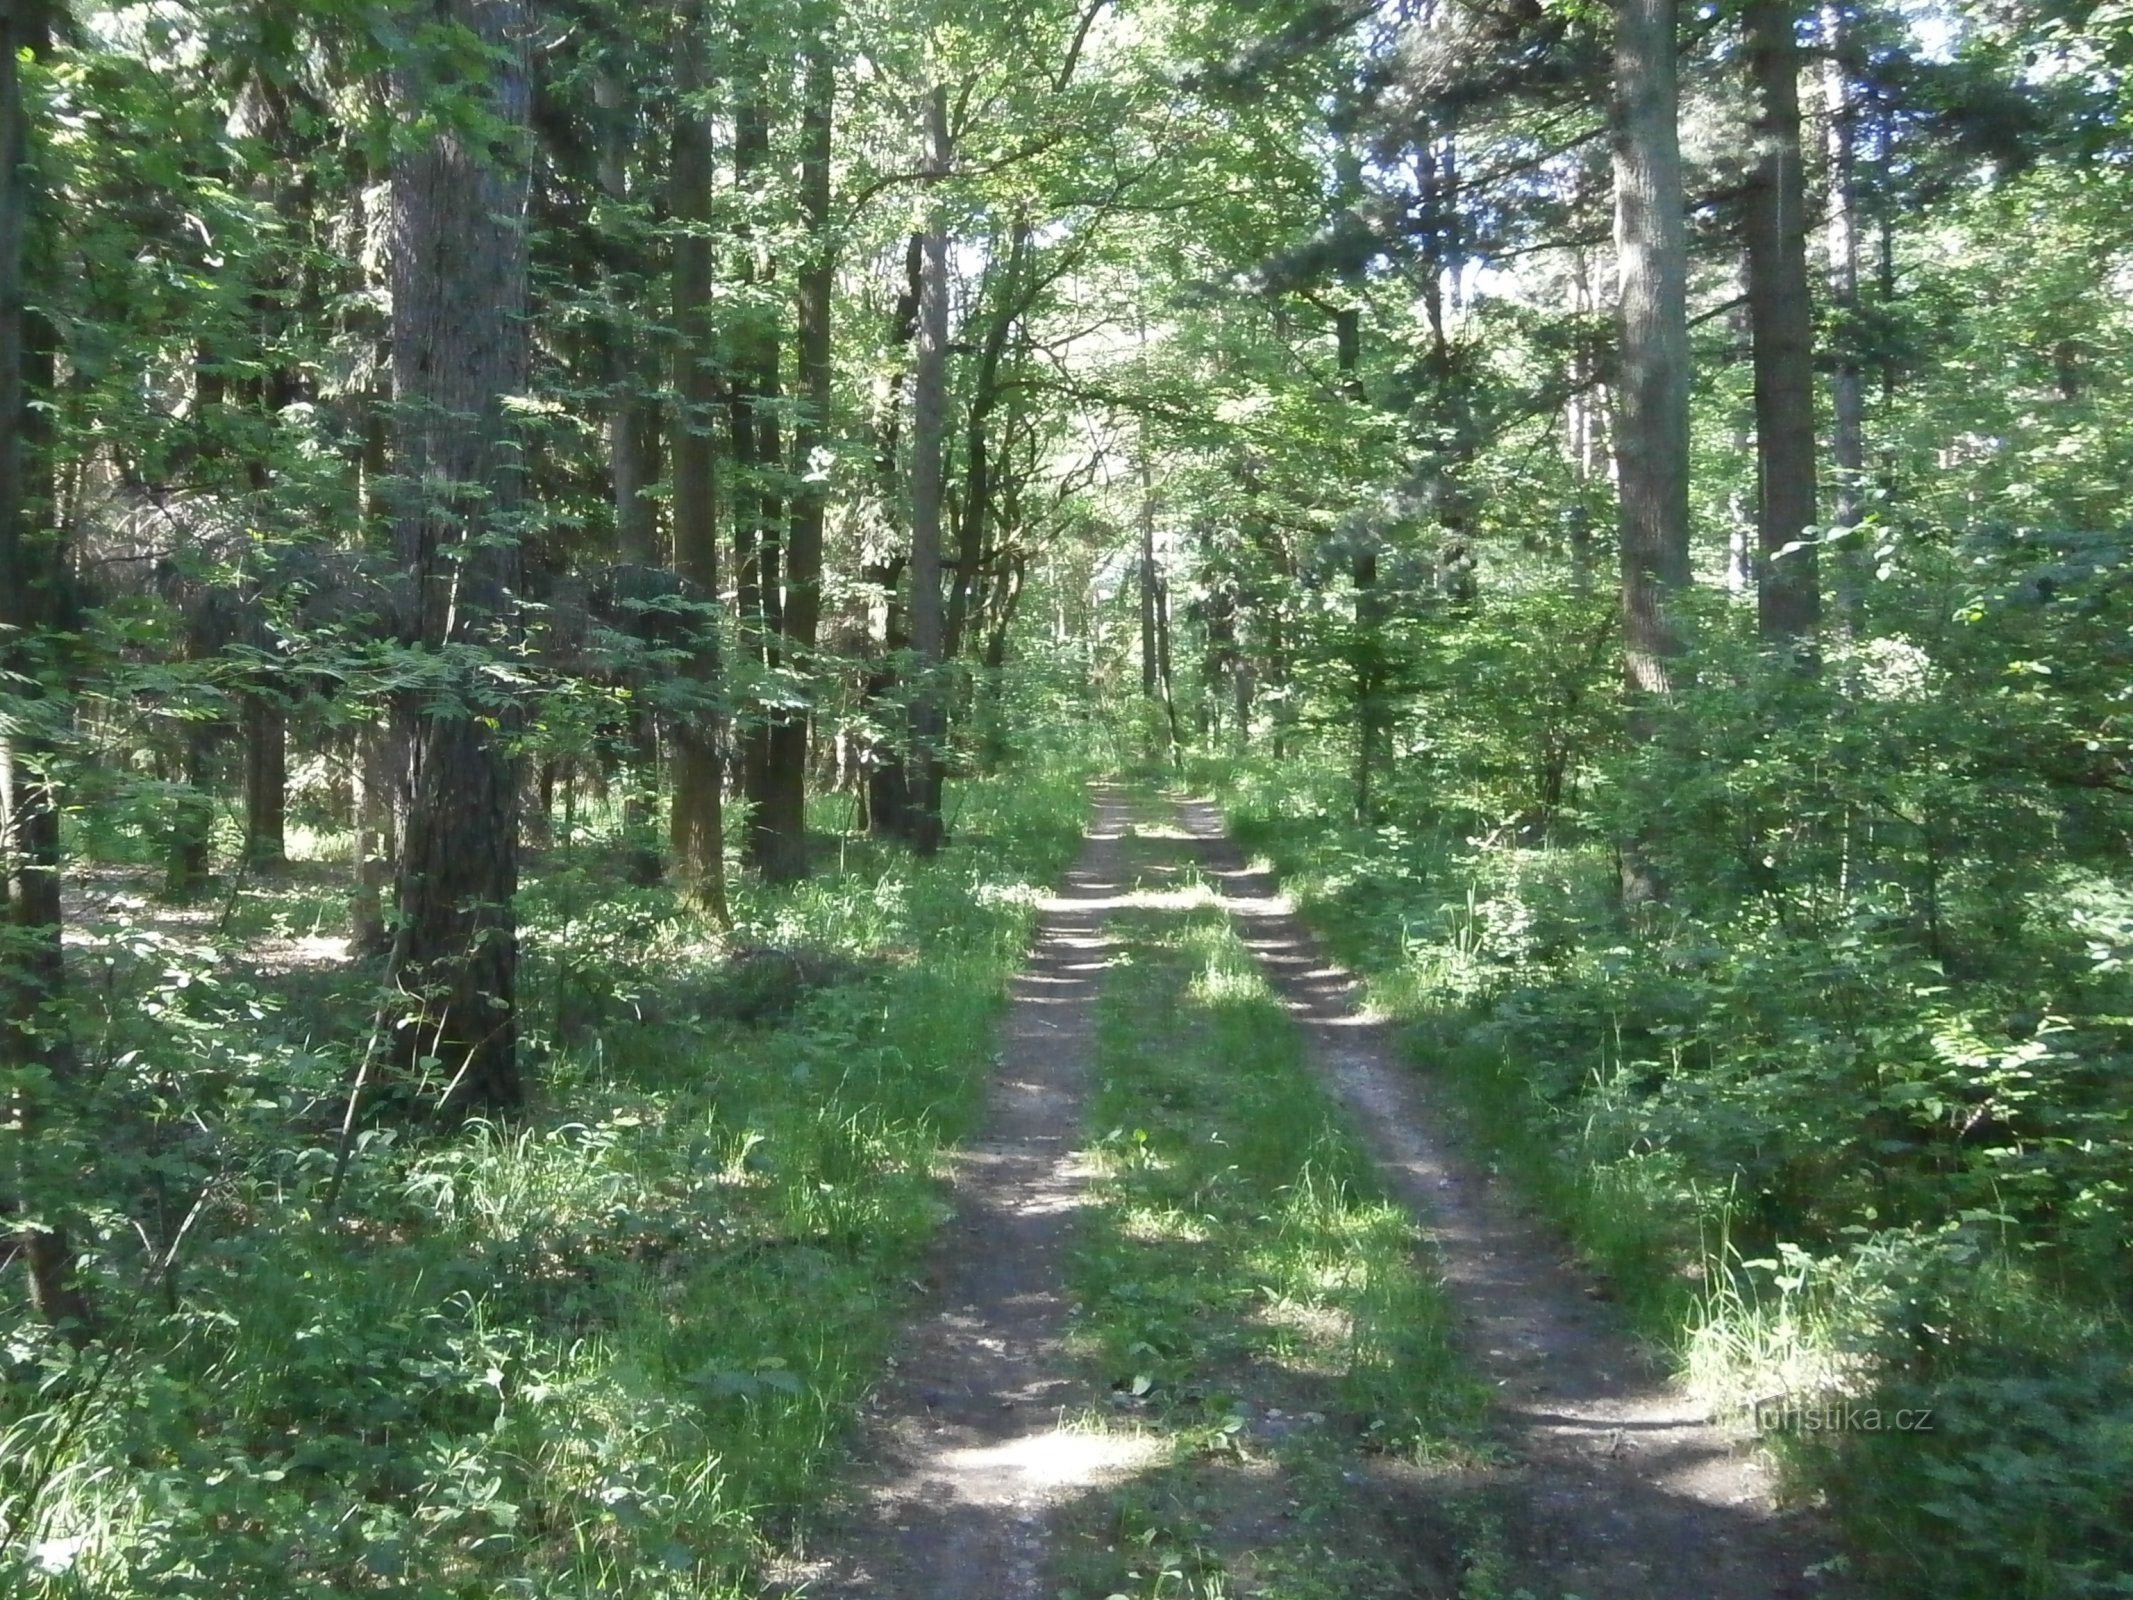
x,y
1616,1486
964,1455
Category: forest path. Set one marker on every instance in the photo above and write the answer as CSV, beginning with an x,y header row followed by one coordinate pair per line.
x,y
962,1451
972,1482
1618,1486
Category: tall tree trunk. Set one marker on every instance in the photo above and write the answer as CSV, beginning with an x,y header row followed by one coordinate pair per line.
x,y
781,814
976,520
380,762
1372,730
1652,428
459,355
632,452
38,1064
1147,571
1847,381
1164,684
633,412
378,773
929,420
1788,598
284,184
698,821
757,501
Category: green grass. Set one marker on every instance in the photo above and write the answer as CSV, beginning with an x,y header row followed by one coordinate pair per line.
x,y
609,1350
1724,1115
1253,1298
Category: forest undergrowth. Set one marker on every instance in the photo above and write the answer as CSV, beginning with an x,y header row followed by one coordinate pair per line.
x,y
1839,1180
606,1348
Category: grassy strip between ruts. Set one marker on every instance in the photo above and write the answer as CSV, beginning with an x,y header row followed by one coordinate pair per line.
x,y
606,1351
1255,1301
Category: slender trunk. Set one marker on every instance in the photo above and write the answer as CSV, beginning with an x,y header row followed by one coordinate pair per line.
x,y
885,758
460,354
377,835
1367,657
633,438
1147,573
1162,669
1652,427
633,413
38,1064
698,821
266,783
980,478
929,417
192,823
781,815
775,840
1847,382
1781,315
380,759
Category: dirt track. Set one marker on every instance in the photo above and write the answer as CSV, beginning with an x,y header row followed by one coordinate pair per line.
x,y
1617,1487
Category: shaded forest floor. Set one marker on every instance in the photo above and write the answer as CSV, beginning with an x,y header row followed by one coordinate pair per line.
x,y
1194,1276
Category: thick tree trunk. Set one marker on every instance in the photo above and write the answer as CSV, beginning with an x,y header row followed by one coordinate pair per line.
x,y
698,820
929,419
1652,426
38,1065
1788,598
459,354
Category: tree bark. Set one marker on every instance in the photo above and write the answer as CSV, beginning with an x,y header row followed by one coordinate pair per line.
x,y
460,352
633,413
781,813
929,418
39,1069
1652,428
757,499
1781,315
266,783
1847,381
698,820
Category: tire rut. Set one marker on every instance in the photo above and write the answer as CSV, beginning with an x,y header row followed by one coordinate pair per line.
x,y
963,1454
1620,1487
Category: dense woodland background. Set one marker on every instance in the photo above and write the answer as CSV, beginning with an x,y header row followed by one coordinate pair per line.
x,y
562,564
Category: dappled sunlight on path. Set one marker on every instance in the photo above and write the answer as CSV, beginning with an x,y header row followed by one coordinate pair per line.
x,y
1622,1487
967,1446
